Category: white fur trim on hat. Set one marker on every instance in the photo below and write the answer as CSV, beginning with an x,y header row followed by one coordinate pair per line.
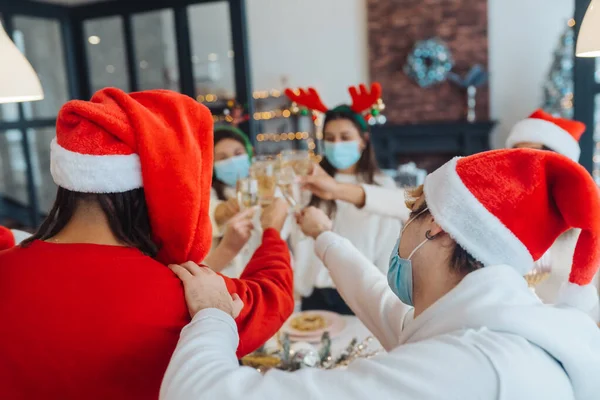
x,y
94,174
583,298
545,132
470,224
20,235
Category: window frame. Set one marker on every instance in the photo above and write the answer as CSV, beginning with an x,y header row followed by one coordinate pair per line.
x,y
72,21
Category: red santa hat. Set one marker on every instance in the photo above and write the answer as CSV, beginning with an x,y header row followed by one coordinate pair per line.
x,y
509,206
159,140
7,239
559,134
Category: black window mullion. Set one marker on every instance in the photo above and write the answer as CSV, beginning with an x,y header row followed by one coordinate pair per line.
x,y
132,71
25,145
34,215
243,82
184,51
583,94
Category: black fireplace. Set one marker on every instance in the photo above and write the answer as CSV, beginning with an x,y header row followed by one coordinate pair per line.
x,y
429,145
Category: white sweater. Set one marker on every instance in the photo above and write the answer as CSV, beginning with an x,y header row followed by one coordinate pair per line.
x,y
373,230
488,338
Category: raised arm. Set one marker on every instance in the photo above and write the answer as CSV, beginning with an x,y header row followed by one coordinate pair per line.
x,y
363,287
237,233
361,284
384,198
267,290
266,285
388,201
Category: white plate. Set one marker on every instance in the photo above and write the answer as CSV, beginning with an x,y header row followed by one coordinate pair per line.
x,y
334,324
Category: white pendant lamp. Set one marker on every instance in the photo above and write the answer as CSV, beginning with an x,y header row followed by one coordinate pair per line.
x,y
588,42
18,80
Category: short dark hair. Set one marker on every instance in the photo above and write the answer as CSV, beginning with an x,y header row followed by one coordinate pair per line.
x,y
461,261
127,215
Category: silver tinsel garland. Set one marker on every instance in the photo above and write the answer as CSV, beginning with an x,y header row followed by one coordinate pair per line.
x,y
294,356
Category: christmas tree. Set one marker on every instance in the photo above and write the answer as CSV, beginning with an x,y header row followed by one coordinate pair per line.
x,y
558,88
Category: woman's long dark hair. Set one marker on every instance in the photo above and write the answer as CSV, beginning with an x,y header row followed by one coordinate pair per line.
x,y
127,215
219,135
366,168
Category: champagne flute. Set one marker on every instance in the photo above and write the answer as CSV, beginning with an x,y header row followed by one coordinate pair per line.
x,y
263,170
247,196
289,186
247,193
299,160
302,163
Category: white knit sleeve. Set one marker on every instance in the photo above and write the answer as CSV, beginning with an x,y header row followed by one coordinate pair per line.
x,y
386,199
363,287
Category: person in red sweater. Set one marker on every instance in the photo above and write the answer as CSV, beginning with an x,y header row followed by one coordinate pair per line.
x,y
134,175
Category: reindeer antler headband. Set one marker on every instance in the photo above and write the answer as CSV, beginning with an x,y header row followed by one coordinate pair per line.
x,y
366,105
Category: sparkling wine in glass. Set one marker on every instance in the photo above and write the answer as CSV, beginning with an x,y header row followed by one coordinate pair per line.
x,y
247,193
263,170
289,186
299,160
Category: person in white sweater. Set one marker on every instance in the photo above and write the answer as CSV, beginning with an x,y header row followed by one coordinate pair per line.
x,y
455,314
351,189
542,131
233,152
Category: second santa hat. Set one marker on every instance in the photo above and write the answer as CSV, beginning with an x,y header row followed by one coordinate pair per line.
x,y
558,134
509,206
159,140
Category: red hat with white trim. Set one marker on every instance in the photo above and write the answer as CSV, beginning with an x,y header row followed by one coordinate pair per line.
x,y
159,140
509,206
558,134
7,239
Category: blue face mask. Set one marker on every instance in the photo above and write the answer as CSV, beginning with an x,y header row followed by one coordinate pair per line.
x,y
231,170
400,276
342,155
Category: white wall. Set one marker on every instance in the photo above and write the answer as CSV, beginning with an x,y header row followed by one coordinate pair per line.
x,y
320,43
523,35
323,43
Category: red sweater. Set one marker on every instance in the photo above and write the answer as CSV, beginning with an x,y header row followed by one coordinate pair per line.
x,y
83,321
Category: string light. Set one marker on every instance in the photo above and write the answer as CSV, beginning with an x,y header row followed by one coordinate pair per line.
x,y
267,115
261,94
277,137
265,94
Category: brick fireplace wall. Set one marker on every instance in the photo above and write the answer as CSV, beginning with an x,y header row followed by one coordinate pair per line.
x,y
393,28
